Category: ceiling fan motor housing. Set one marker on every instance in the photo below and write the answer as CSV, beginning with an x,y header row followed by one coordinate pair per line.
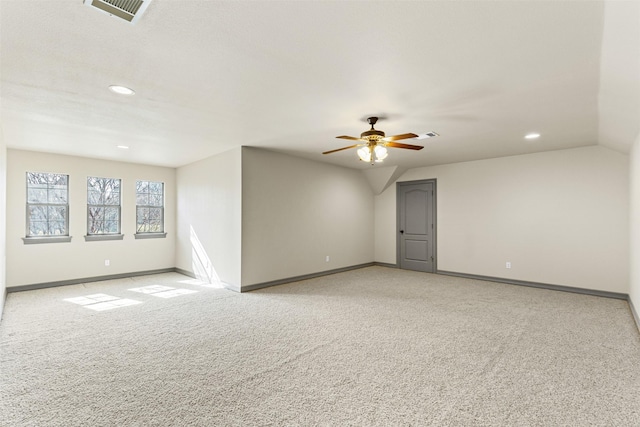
x,y
372,134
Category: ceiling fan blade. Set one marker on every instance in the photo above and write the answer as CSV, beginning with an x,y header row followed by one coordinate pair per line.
x,y
353,138
340,149
399,137
407,146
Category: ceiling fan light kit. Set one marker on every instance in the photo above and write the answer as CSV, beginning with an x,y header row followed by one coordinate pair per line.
x,y
373,154
381,153
373,143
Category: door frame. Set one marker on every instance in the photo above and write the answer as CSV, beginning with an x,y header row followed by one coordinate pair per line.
x,y
435,219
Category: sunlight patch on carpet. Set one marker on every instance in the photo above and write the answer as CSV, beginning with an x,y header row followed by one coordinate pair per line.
x,y
197,282
102,302
162,291
152,289
108,305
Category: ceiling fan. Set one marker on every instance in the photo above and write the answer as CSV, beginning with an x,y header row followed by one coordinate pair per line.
x,y
373,143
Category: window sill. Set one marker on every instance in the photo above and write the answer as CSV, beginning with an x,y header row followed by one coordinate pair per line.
x,y
48,239
150,235
99,237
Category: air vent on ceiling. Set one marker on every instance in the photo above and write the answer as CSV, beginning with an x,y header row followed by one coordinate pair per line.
x,y
129,10
427,135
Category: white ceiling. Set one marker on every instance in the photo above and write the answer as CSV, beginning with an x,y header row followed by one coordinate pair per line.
x,y
290,76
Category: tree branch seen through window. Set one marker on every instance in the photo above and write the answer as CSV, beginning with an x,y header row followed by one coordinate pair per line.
x,y
47,204
103,205
149,207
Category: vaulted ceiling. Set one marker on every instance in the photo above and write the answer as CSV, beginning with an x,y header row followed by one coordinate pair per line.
x,y
290,76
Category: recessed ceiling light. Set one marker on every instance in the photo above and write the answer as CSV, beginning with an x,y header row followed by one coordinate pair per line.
x,y
532,136
121,90
123,147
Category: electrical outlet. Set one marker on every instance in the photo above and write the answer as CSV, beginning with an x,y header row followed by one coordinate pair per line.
x,y
107,263
508,264
327,259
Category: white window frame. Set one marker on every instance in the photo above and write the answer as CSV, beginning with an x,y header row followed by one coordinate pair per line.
x,y
51,203
98,185
141,197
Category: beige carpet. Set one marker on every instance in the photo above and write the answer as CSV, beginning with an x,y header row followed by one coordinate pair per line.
x,y
369,347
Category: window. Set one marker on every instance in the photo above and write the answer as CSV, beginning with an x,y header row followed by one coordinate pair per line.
x,y
149,209
103,206
47,205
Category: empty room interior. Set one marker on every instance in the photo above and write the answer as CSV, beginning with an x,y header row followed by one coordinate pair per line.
x,y
319,213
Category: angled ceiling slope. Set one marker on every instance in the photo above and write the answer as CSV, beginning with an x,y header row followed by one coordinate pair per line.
x,y
619,95
289,76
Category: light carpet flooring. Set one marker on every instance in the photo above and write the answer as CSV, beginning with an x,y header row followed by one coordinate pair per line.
x,y
370,347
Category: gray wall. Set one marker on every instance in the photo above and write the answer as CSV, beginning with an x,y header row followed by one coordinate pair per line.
x,y
52,262
634,216
209,203
295,212
3,222
559,217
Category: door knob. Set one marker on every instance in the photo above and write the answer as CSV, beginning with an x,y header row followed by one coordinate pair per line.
x,y
401,231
